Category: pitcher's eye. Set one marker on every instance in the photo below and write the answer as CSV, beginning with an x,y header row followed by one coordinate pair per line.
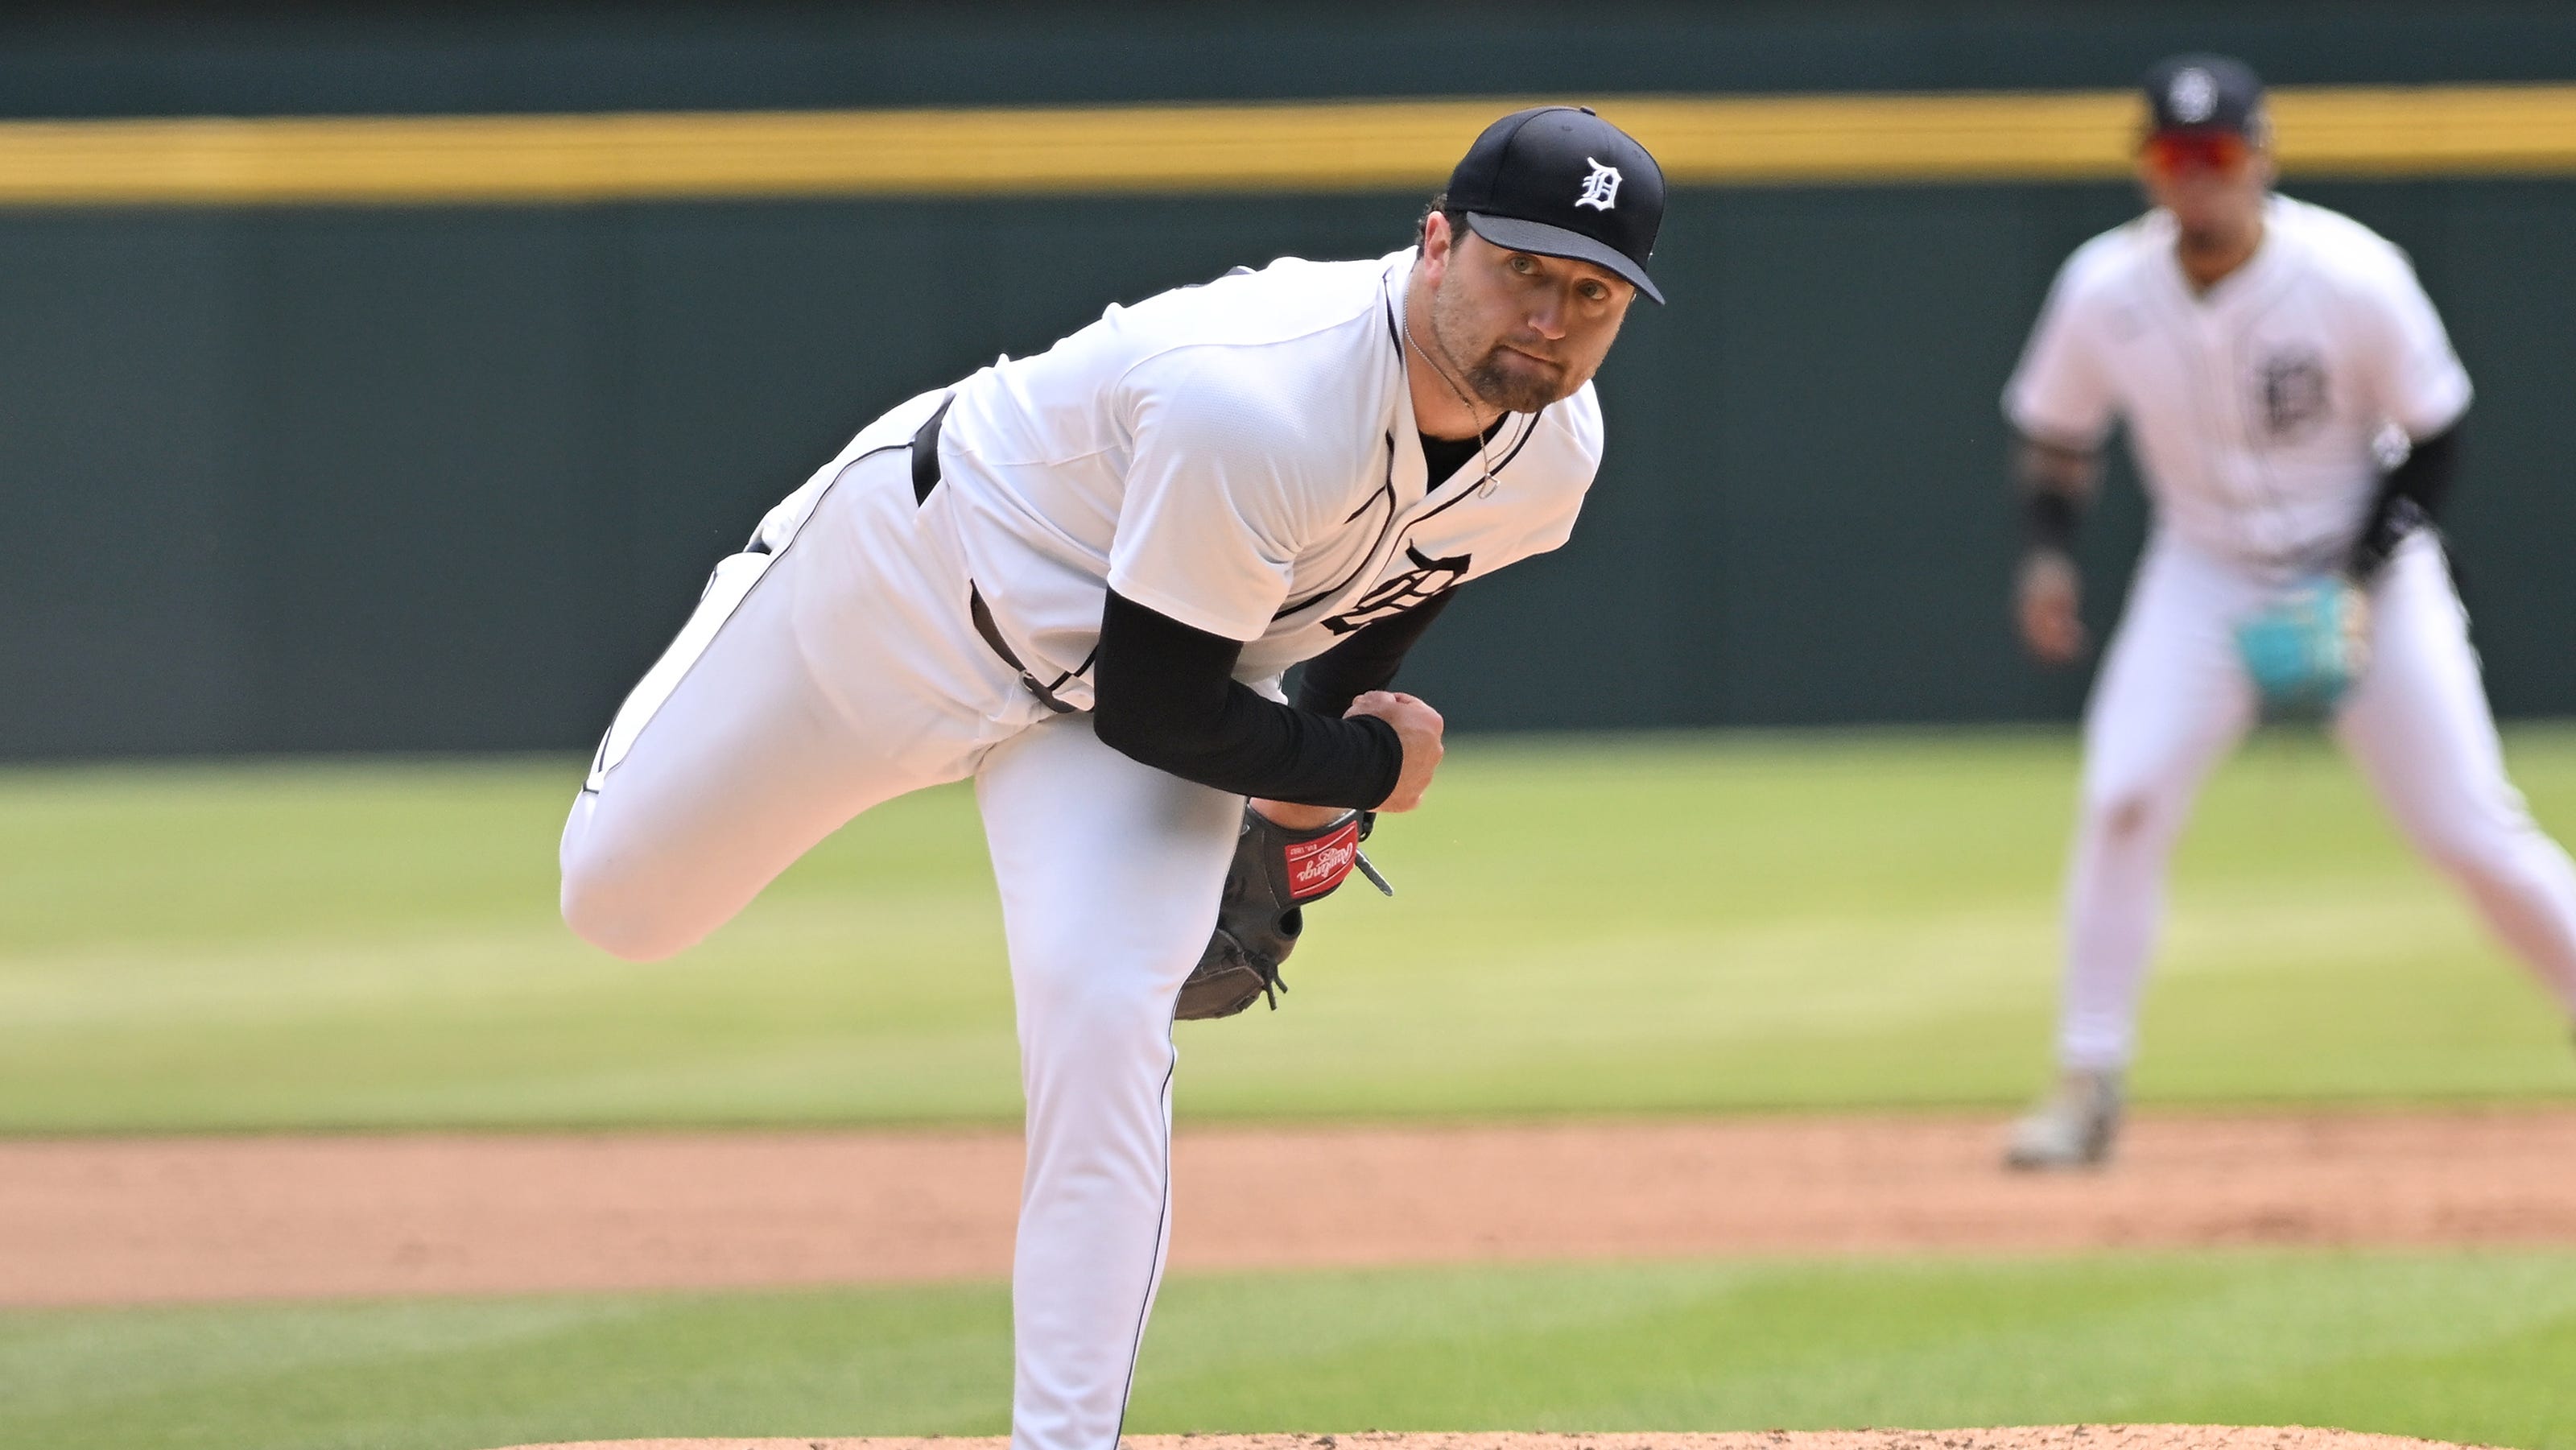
x,y
1522,263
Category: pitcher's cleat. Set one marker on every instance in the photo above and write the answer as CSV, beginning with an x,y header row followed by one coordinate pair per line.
x,y
2074,1128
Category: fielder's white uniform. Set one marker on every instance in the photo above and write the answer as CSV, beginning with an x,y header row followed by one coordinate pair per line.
x,y
1240,456
2258,413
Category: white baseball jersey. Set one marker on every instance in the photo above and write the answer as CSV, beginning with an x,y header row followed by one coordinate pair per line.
x,y
2255,410
1241,456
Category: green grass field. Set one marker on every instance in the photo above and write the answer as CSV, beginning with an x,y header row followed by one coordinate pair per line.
x,y
1677,924
1650,925
2468,1347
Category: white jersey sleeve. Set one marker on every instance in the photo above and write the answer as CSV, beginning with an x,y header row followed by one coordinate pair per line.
x,y
2062,391
2408,367
1222,494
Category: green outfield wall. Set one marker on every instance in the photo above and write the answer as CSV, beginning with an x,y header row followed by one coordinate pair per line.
x,y
342,475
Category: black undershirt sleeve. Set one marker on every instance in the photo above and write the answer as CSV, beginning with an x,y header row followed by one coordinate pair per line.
x,y
1165,695
1367,660
2410,497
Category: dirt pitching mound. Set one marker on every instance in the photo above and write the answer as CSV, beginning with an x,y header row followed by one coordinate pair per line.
x,y
2036,1437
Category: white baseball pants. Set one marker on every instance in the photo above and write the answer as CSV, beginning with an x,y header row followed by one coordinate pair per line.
x,y
839,670
2173,699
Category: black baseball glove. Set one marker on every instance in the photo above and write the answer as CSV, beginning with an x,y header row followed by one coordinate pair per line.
x,y
1276,871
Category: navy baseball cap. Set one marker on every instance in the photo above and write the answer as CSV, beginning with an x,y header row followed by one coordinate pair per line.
x,y
1559,181
2205,93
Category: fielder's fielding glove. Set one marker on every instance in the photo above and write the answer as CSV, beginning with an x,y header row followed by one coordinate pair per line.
x,y
1276,871
2306,650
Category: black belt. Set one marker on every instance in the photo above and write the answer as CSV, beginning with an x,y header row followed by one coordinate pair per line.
x,y
982,614
925,477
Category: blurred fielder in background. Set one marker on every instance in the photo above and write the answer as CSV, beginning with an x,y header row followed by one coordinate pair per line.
x,y
2294,409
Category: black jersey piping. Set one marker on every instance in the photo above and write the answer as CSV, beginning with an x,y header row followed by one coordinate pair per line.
x,y
1464,494
1386,491
1528,431
1162,1226
599,769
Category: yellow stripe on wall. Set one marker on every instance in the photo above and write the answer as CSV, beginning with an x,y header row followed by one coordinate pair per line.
x,y
1339,146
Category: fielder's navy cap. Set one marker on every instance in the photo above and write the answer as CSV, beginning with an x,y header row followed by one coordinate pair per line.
x,y
2205,93
1559,181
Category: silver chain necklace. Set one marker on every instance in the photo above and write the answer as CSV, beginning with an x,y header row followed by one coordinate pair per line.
x,y
1484,459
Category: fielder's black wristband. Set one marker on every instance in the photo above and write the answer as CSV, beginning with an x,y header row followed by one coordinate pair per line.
x,y
2407,500
2051,518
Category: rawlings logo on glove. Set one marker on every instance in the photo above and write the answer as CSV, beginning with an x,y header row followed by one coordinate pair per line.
x,y
1276,871
1315,867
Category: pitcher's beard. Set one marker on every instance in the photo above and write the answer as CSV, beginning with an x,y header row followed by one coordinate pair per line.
x,y
1493,381
1490,378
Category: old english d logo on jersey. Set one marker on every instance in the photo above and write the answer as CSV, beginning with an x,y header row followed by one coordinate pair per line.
x,y
2292,389
1317,866
1427,577
1601,188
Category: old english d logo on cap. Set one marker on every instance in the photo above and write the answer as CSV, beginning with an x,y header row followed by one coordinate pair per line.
x,y
1601,188
2193,96
1558,181
2204,93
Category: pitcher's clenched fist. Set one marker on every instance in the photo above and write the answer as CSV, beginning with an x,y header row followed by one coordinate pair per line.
x,y
1418,726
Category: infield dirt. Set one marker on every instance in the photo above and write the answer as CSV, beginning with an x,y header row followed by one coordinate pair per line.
x,y
127,1221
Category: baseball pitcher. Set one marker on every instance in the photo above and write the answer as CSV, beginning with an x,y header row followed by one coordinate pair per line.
x,y
2294,408
1077,578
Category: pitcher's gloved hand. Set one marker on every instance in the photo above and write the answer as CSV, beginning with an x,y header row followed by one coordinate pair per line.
x,y
2307,649
1276,871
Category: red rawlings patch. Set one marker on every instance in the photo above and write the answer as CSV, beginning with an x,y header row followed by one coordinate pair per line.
x,y
1317,866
